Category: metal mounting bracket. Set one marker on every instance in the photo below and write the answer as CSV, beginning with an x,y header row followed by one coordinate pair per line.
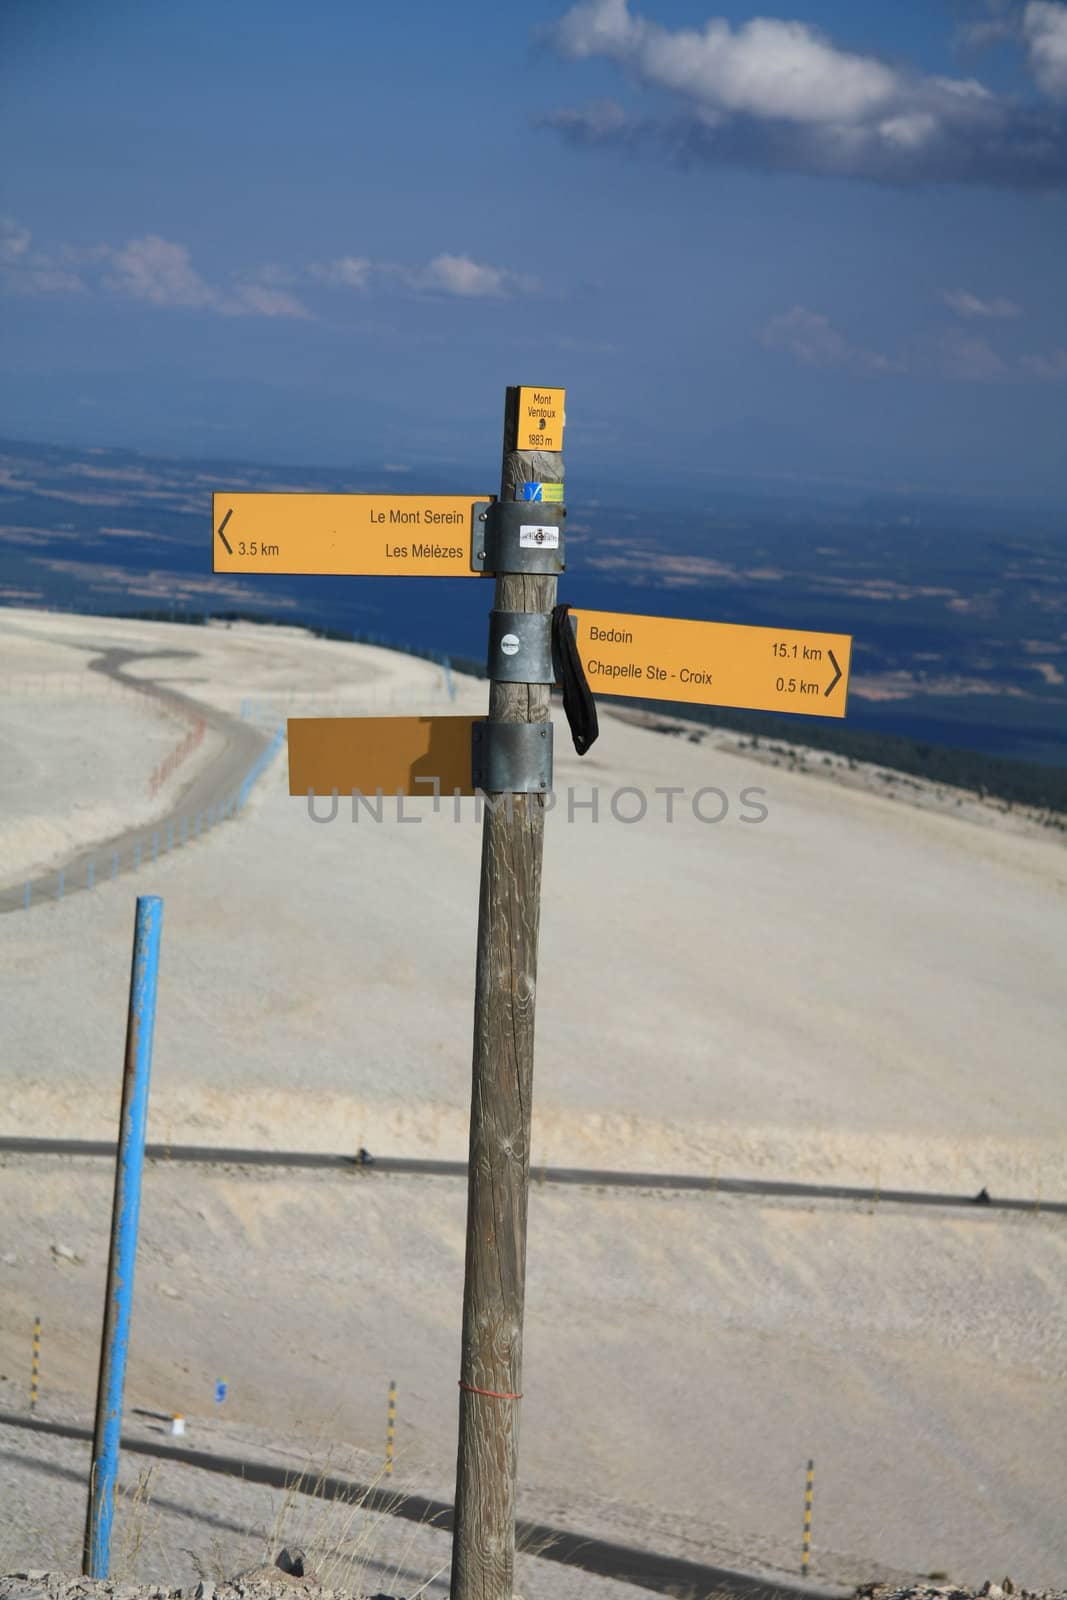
x,y
511,757
520,647
516,536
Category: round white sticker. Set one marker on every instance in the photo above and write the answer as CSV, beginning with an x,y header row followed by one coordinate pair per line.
x,y
509,644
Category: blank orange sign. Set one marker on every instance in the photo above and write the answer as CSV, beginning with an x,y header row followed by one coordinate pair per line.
x,y
345,535
715,663
398,755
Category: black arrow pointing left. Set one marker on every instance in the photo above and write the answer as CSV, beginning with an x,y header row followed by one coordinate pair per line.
x,y
222,531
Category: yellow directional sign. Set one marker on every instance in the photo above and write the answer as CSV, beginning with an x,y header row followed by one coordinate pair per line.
x,y
354,535
540,419
397,755
714,663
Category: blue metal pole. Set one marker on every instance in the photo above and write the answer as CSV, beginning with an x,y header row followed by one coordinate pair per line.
x,y
125,1216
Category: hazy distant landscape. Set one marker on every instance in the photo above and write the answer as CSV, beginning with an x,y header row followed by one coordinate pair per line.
x,y
958,607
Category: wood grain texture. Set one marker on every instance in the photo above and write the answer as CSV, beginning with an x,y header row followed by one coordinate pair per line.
x,y
483,1546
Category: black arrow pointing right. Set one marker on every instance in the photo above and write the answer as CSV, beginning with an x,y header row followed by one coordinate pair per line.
x,y
836,676
229,551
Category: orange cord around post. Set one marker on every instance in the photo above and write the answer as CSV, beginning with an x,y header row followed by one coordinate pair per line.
x,y
472,1388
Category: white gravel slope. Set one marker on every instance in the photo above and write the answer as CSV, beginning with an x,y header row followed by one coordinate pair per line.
x,y
77,751
684,1355
851,990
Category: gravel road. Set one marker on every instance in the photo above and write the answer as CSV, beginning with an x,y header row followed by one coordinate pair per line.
x,y
209,787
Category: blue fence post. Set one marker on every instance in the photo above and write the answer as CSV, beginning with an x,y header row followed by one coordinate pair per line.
x,y
114,863
125,1216
92,873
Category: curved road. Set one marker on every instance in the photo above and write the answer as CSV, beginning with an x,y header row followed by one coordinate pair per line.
x,y
667,1575
212,789
586,1177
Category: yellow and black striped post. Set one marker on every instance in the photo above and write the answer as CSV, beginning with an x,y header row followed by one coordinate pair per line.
x,y
390,1431
35,1371
809,1490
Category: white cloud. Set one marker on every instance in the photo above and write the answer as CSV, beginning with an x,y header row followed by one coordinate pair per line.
x,y
1052,366
462,276
349,272
1044,28
909,131
278,277
14,240
1038,26
780,95
44,278
977,35
598,28
966,304
767,68
445,274
262,301
810,337
970,357
161,272
27,271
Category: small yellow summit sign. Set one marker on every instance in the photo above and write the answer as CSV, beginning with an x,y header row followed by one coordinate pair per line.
x,y
540,419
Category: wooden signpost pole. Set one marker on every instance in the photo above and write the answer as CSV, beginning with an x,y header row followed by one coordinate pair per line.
x,y
509,758
483,1550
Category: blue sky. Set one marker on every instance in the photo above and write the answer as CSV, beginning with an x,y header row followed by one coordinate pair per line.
x,y
809,238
